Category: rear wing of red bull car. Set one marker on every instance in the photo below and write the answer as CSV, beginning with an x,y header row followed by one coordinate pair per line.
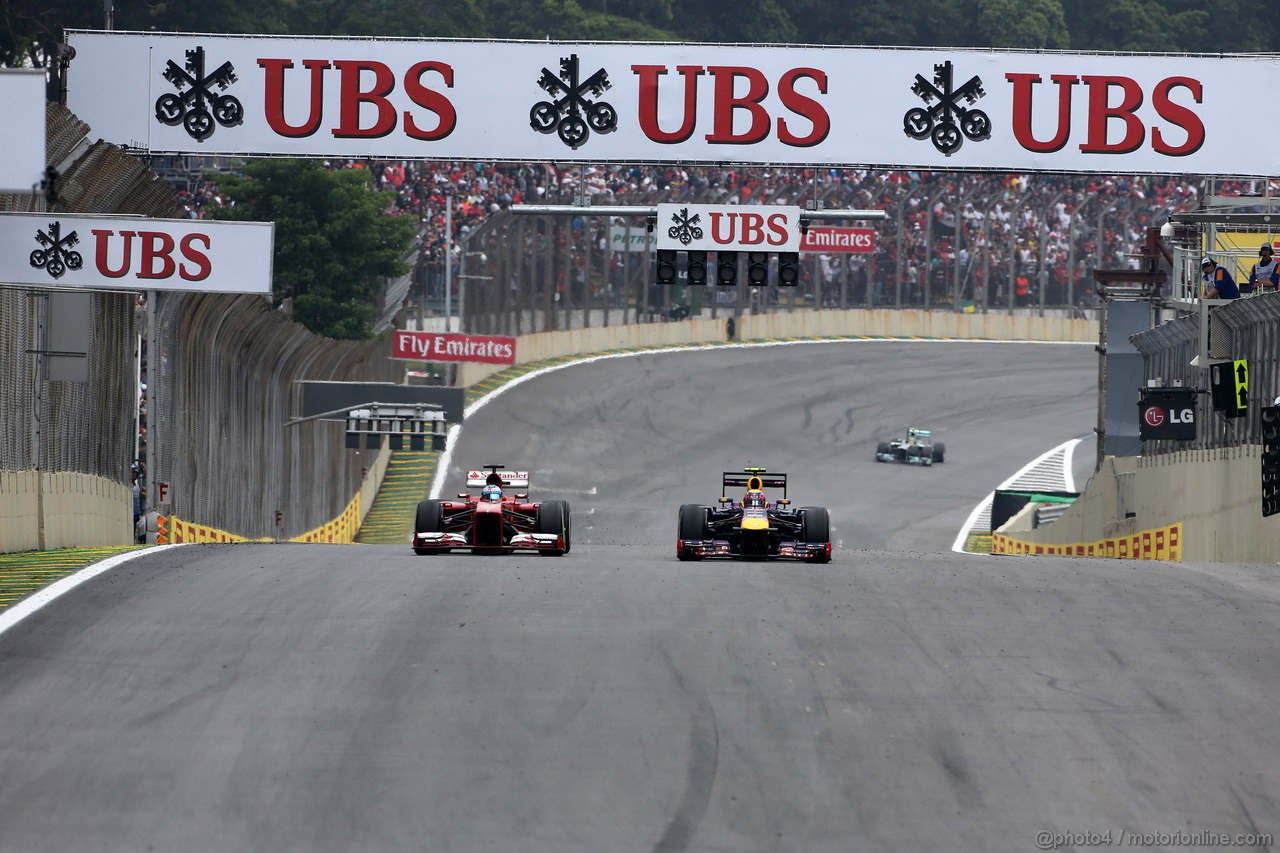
x,y
753,479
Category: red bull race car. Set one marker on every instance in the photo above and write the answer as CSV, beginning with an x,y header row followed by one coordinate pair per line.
x,y
499,519
754,528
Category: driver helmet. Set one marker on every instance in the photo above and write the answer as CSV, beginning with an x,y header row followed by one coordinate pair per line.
x,y
754,499
491,494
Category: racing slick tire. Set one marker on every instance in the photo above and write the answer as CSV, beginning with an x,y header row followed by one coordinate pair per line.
x,y
693,525
430,519
553,517
883,449
815,529
939,451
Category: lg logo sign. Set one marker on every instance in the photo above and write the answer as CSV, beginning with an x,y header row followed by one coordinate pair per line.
x,y
1167,414
1155,416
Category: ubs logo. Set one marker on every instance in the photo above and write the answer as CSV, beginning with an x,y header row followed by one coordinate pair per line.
x,y
199,106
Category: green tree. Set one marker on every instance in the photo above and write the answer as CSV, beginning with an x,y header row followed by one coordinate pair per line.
x,y
402,18
917,23
534,19
761,21
334,239
1033,24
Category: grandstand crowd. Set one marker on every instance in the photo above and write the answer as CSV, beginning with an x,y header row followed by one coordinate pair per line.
x,y
1034,238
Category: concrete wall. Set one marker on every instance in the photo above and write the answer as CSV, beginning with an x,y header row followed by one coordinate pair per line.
x,y
1215,495
857,321
46,511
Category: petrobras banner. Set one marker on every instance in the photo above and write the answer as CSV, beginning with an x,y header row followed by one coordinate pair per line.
x,y
830,238
438,346
637,238
637,102
132,253
22,133
734,227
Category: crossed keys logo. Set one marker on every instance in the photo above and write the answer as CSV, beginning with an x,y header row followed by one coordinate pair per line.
x,y
564,115
57,257
938,122
686,228
199,106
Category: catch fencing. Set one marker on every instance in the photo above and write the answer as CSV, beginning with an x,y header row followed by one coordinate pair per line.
x,y
222,392
1248,329
971,250
219,378
59,426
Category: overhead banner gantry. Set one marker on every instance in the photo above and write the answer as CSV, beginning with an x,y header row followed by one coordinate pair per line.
x,y
958,109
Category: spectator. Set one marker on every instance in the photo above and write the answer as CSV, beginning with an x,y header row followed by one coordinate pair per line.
x,y
1263,276
1218,284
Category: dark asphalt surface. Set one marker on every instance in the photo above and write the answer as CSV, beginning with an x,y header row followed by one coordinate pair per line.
x,y
343,698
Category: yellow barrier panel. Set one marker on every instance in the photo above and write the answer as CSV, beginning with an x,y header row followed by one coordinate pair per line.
x,y
340,531
1161,543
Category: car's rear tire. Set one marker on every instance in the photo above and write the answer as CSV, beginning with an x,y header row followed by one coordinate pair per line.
x,y
939,451
693,525
429,519
815,529
553,517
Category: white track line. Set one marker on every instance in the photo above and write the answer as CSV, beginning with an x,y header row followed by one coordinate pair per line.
x,y
16,613
1068,450
446,458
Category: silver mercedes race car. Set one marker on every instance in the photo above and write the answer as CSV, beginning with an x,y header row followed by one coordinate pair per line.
x,y
918,448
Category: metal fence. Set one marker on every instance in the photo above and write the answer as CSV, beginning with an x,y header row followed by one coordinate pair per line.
x,y
86,427
952,243
219,377
222,388
1247,329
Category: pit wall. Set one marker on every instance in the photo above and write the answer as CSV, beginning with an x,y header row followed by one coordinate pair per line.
x,y
1194,505
51,510
797,324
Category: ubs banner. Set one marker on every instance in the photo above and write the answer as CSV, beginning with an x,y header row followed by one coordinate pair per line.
x,y
131,253
636,102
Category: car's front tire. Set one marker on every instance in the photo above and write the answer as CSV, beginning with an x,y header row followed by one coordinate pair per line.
x,y
553,517
693,525
429,519
815,529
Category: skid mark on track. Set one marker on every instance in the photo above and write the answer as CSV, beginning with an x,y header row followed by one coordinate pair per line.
x,y
704,761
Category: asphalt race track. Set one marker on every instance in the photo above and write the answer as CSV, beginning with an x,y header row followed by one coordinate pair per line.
x,y
903,697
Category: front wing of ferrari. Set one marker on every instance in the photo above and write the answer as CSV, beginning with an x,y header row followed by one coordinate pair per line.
x,y
517,542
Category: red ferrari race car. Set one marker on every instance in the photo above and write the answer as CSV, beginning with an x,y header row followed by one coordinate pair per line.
x,y
498,520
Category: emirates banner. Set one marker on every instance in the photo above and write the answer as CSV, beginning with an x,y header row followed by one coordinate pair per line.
x,y
59,250
831,238
439,346
638,102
